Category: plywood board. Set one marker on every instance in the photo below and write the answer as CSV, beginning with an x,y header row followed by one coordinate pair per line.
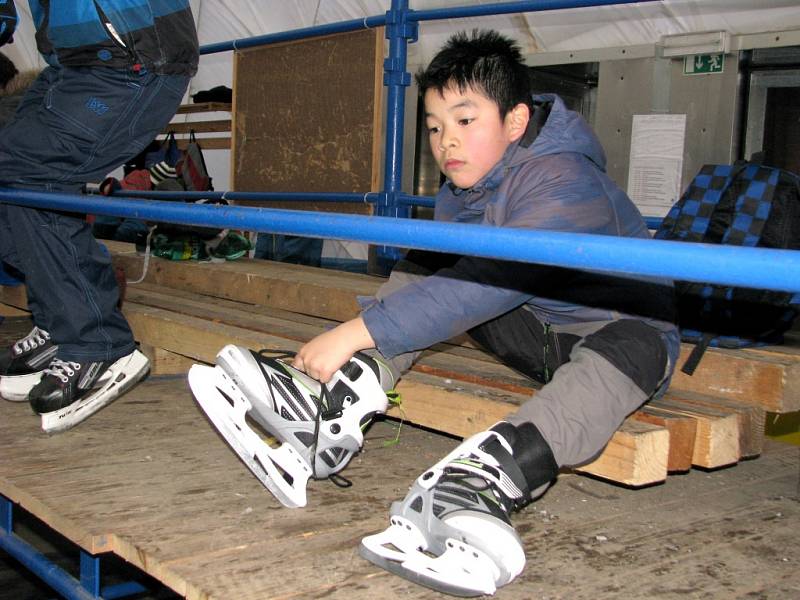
x,y
307,118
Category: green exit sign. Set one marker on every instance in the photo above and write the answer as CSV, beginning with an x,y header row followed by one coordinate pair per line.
x,y
703,63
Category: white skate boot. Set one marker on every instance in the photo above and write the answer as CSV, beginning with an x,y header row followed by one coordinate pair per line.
x,y
452,531
319,426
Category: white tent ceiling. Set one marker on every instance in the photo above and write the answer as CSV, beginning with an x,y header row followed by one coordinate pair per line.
x,y
588,28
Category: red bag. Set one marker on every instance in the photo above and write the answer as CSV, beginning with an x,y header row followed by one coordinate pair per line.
x,y
191,168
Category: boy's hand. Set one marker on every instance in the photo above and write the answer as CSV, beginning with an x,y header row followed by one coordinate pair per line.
x,y
325,354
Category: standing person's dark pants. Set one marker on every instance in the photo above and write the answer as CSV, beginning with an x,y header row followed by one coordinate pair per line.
x,y
75,125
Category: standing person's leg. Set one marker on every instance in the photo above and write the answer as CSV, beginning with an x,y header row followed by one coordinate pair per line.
x,y
88,122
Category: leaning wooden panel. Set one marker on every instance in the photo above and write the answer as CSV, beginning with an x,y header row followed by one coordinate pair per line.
x,y
307,117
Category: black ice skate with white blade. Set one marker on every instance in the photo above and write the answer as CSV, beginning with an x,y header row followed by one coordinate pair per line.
x,y
319,426
71,392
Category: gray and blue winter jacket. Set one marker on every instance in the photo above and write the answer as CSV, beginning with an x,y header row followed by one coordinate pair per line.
x,y
156,35
554,181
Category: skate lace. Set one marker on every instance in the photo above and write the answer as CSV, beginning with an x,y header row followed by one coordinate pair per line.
x,y
37,337
323,401
62,369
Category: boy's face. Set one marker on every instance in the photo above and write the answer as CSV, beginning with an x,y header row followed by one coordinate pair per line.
x,y
467,135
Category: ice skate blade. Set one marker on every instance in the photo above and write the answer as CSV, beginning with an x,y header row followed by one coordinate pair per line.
x,y
118,379
283,471
15,388
461,570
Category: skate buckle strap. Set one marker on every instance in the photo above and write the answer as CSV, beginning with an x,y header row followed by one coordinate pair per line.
x,y
510,467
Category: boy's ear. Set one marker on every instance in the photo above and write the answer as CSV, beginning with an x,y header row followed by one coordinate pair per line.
x,y
516,121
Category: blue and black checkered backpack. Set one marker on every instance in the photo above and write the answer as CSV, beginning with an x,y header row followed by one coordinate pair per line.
x,y
745,204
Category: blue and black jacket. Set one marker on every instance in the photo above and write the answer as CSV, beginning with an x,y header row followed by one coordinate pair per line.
x,y
157,35
552,181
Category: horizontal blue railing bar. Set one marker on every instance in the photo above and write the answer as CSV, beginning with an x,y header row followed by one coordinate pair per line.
x,y
369,197
36,562
294,34
729,265
500,8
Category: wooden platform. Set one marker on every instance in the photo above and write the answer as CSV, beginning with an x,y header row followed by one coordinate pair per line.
x,y
148,479
186,311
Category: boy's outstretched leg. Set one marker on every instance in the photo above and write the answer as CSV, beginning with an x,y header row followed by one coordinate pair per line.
x,y
452,531
320,426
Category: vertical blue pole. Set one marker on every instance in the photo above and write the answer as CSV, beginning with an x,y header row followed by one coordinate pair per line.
x,y
399,31
6,515
90,573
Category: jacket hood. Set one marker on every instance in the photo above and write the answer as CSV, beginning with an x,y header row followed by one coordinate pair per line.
x,y
563,131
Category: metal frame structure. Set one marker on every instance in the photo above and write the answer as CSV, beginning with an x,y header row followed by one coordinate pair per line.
x,y
755,267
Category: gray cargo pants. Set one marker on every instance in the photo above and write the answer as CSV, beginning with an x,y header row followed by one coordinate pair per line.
x,y
594,374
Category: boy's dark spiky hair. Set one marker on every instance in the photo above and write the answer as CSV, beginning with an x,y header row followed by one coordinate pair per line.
x,y
485,61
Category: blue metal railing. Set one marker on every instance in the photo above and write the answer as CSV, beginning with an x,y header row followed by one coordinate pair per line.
x,y
729,265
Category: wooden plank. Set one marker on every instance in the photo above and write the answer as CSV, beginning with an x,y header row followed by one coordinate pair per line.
x,y
639,455
767,377
169,496
202,107
206,143
751,419
682,431
14,295
164,362
717,437
308,290
187,127
329,145
11,311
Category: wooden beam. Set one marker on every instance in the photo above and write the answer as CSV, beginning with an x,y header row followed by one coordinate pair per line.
x,y
639,454
201,107
682,431
751,419
14,295
187,127
11,311
716,441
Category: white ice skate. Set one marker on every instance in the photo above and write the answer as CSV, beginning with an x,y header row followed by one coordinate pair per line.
x,y
319,427
115,380
452,532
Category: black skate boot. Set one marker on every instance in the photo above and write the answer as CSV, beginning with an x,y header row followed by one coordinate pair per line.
x,y
22,363
70,392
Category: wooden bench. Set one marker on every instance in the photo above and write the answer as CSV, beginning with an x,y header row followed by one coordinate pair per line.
x,y
186,311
